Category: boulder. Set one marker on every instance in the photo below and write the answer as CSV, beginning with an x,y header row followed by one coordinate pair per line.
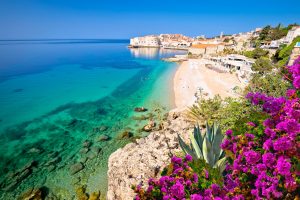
x,y
125,135
149,127
95,196
86,144
51,168
83,159
96,150
103,128
75,168
91,155
140,109
84,150
34,151
32,194
103,138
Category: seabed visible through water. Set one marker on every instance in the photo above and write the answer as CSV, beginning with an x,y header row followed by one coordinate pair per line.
x,y
68,148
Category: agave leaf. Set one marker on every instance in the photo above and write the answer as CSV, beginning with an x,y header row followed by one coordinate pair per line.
x,y
221,164
208,131
217,142
186,148
195,146
198,138
207,152
215,130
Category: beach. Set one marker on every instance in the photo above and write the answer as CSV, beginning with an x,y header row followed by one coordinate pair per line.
x,y
192,76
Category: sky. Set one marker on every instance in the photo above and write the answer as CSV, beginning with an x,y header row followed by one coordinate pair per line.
x,y
122,19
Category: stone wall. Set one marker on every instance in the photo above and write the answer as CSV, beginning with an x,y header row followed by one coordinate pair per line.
x,y
137,162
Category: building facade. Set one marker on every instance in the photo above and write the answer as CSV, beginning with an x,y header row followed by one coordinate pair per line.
x,y
146,41
206,49
292,34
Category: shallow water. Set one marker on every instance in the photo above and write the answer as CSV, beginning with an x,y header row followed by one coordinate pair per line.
x,y
58,97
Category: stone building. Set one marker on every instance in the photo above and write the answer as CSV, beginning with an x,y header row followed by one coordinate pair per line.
x,y
146,41
206,49
292,34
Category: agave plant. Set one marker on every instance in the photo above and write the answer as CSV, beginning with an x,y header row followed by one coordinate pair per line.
x,y
206,146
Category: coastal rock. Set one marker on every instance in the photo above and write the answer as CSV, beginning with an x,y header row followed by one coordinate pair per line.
x,y
52,154
96,150
103,138
32,194
86,144
125,135
51,168
95,196
83,159
76,168
149,127
91,155
34,151
140,109
137,162
84,150
53,161
103,128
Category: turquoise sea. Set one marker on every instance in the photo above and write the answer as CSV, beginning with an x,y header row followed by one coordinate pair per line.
x,y
66,105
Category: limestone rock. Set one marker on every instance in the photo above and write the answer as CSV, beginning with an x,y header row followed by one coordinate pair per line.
x,y
125,135
84,150
34,151
76,168
96,150
103,138
51,168
86,144
103,128
31,194
137,162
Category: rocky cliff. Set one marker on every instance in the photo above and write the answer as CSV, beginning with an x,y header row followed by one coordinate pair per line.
x,y
137,162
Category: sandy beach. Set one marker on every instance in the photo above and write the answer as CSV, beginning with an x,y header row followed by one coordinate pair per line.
x,y
192,75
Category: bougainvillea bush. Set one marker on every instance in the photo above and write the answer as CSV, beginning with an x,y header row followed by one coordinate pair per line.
x,y
183,179
263,159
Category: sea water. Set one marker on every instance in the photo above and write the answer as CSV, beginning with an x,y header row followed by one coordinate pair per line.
x,y
58,98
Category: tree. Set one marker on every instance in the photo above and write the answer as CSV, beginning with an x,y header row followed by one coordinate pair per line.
x,y
283,53
264,32
262,65
271,84
256,53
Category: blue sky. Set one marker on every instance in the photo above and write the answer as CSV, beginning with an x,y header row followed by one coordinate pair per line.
x,y
27,19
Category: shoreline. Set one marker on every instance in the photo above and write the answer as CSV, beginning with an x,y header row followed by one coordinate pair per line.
x,y
192,75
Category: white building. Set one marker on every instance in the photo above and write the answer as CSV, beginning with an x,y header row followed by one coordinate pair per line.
x,y
146,41
292,34
238,63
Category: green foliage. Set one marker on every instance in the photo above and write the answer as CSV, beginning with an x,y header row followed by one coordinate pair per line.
x,y
265,32
257,117
271,84
227,51
226,40
269,33
207,174
256,53
283,53
262,65
226,111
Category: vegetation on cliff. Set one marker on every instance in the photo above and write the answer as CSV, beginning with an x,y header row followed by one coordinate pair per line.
x,y
261,145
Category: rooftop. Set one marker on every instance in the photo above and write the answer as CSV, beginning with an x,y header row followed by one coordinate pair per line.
x,y
203,46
